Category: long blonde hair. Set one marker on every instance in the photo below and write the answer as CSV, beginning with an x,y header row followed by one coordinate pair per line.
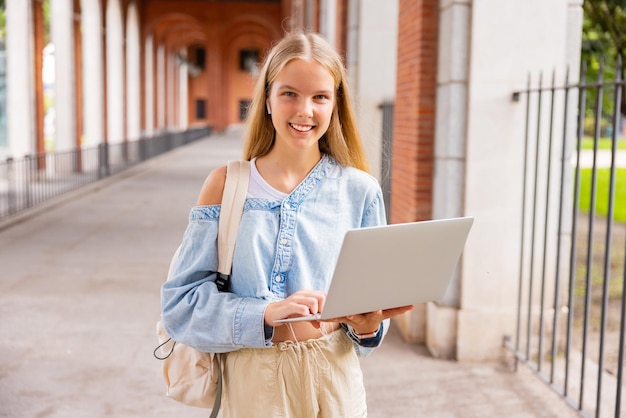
x,y
342,140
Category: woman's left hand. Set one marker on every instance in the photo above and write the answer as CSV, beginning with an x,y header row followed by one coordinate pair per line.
x,y
370,322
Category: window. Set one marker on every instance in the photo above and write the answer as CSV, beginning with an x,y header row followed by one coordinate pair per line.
x,y
249,60
201,57
200,109
243,109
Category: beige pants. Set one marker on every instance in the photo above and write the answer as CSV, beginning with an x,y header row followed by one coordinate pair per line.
x,y
316,378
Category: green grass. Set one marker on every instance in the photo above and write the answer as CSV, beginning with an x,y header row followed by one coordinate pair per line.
x,y
603,143
602,192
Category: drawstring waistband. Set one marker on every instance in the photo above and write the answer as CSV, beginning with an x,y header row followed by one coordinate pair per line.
x,y
314,346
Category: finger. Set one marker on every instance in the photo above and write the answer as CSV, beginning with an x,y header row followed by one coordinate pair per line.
x,y
313,299
390,313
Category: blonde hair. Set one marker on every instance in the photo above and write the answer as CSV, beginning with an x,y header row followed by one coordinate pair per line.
x,y
342,140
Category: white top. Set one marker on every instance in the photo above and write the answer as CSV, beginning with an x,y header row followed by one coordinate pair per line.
x,y
261,189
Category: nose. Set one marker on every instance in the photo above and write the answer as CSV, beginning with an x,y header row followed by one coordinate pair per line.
x,y
305,109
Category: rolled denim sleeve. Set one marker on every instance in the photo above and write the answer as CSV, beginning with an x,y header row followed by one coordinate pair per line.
x,y
194,312
365,346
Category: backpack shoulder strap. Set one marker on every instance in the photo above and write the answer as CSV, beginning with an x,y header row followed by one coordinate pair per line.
x,y
233,199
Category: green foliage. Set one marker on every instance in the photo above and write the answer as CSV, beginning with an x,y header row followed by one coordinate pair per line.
x,y
3,21
603,40
46,20
602,192
604,143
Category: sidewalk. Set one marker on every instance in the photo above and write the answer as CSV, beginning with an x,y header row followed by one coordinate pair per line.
x,y
79,299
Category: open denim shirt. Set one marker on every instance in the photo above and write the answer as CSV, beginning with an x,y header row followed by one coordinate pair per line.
x,y
282,247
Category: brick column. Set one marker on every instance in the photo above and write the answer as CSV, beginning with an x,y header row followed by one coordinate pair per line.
x,y
414,111
414,129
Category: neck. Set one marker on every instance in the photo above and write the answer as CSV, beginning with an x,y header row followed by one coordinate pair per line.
x,y
284,171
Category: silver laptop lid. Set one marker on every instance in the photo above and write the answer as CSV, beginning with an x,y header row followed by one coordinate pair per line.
x,y
395,265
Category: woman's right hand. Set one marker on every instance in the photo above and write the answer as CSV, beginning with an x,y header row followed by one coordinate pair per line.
x,y
301,303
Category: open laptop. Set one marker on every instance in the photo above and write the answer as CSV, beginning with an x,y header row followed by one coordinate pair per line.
x,y
390,266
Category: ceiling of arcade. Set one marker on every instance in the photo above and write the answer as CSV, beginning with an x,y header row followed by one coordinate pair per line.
x,y
183,23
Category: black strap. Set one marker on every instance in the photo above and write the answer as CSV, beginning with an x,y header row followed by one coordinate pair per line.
x,y
218,391
223,282
161,345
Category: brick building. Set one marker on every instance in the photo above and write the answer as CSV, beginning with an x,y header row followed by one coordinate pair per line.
x,y
130,69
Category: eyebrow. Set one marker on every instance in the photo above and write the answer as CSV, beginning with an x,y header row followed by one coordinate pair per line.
x,y
288,87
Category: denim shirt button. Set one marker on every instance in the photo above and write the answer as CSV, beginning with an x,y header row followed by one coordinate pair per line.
x,y
283,241
287,206
278,278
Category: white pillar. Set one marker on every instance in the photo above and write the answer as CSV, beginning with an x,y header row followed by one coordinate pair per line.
x,y
308,14
183,96
377,34
171,92
451,121
115,73
328,20
352,48
160,70
149,88
62,35
450,163
93,75
20,78
133,78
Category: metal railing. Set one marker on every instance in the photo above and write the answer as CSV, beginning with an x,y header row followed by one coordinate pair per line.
x,y
387,150
34,179
571,303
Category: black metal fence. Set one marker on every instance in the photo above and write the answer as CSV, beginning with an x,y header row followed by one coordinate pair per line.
x,y
387,150
34,179
571,303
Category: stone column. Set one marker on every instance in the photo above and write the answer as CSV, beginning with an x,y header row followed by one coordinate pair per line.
x,y
328,20
160,87
20,79
93,73
171,91
449,158
62,35
133,79
115,73
149,86
183,89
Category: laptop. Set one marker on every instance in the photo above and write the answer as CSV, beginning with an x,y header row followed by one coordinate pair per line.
x,y
390,266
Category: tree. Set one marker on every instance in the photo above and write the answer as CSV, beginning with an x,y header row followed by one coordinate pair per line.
x,y
604,37
3,23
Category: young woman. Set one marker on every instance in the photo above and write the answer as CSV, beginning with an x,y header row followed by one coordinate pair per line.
x,y
308,186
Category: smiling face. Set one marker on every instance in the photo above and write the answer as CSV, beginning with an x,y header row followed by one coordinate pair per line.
x,y
301,102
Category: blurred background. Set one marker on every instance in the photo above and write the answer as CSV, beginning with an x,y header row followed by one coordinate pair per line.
x,y
511,112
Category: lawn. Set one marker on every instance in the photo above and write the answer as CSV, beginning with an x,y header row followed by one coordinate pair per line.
x,y
603,143
602,192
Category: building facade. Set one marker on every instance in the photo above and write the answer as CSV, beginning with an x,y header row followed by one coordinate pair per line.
x,y
130,69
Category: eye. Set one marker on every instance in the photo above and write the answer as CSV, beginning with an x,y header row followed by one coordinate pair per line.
x,y
289,94
321,97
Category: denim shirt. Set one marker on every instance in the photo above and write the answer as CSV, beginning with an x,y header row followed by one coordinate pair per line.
x,y
281,247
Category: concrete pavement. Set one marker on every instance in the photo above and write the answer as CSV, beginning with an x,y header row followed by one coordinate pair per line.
x,y
79,299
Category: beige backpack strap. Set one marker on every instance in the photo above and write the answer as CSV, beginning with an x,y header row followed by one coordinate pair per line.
x,y
233,199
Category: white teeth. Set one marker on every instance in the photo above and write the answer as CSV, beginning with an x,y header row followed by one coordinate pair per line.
x,y
301,128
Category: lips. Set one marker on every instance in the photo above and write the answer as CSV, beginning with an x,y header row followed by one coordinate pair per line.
x,y
301,128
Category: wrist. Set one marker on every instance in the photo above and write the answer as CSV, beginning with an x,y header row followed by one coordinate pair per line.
x,y
363,335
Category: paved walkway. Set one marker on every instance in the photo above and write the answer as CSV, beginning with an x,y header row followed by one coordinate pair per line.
x,y
603,158
79,298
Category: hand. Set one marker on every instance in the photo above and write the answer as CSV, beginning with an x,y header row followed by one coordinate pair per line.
x,y
301,303
370,322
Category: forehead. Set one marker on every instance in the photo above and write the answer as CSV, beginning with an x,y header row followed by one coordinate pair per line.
x,y
305,75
